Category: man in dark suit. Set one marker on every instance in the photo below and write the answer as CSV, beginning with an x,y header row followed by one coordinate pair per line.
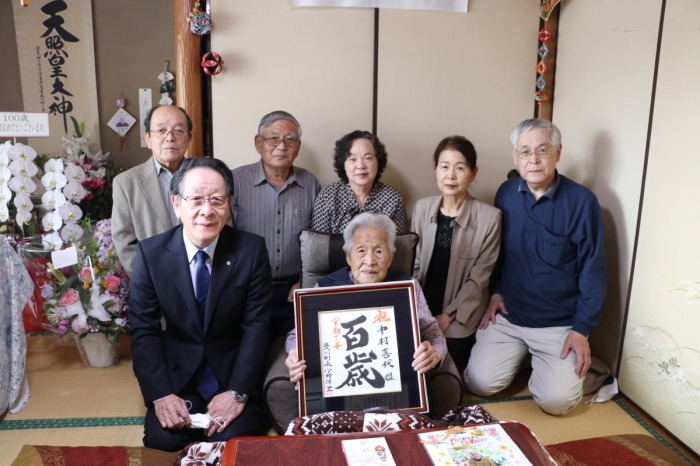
x,y
212,284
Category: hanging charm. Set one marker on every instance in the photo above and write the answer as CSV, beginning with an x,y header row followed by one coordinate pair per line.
x,y
546,7
200,21
121,122
167,85
212,63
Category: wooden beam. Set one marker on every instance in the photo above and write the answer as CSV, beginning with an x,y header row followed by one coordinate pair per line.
x,y
545,109
188,74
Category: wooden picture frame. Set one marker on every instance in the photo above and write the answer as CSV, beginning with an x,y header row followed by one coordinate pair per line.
x,y
355,325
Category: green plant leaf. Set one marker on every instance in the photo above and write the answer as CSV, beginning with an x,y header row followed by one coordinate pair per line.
x,y
78,128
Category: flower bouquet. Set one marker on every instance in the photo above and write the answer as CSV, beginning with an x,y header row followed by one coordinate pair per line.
x,y
88,299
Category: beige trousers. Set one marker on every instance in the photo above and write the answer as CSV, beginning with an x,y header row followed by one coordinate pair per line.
x,y
499,351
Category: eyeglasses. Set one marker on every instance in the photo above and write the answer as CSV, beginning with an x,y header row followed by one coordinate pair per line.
x,y
541,152
198,201
162,132
275,141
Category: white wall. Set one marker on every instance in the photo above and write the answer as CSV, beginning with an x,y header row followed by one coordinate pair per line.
x,y
439,74
660,366
605,70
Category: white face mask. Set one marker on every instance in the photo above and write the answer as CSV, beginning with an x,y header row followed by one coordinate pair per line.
x,y
604,394
202,421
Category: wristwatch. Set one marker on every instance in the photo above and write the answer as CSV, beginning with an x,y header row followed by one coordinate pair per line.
x,y
239,397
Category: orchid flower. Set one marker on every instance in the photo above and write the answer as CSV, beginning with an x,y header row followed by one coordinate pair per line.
x,y
22,184
52,221
52,241
23,167
71,232
74,173
23,216
70,212
20,151
74,191
5,194
5,175
54,165
4,212
23,202
54,180
53,199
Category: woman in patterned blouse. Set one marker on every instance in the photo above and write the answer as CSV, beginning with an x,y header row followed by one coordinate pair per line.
x,y
360,158
459,242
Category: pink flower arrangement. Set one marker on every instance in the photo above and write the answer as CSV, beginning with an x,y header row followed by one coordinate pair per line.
x,y
77,304
112,283
69,297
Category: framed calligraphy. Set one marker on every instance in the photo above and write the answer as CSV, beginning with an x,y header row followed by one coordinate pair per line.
x,y
358,342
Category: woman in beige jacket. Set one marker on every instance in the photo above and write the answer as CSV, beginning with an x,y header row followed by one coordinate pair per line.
x,y
459,242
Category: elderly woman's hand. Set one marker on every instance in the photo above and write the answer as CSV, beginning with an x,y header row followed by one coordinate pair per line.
x,y
425,358
296,367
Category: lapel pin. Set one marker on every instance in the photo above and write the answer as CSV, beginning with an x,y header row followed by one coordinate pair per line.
x,y
228,262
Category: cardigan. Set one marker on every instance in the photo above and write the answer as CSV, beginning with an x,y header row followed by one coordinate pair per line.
x,y
476,240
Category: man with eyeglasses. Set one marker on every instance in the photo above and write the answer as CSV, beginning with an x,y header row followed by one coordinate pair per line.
x,y
273,198
548,286
141,195
212,285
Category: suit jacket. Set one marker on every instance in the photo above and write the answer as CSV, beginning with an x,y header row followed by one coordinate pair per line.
x,y
139,210
235,334
476,240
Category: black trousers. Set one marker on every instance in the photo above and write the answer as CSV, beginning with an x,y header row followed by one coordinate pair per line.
x,y
176,439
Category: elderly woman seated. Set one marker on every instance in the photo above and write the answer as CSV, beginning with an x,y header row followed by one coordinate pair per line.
x,y
369,247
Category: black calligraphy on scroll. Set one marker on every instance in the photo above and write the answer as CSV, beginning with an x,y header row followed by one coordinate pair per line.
x,y
56,56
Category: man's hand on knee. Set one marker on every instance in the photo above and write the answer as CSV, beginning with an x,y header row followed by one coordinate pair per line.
x,y
224,409
495,304
172,412
577,343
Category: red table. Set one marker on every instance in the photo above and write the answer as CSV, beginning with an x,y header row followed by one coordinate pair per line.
x,y
326,450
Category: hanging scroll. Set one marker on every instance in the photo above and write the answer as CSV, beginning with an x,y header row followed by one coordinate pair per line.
x,y
57,66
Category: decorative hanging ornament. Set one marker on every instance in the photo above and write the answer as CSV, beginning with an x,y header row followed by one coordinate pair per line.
x,y
544,35
200,21
212,63
546,8
167,85
121,122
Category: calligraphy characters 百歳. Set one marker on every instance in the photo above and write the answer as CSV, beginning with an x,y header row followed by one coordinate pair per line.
x,y
359,352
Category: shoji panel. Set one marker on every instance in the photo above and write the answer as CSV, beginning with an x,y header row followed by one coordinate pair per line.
x,y
446,73
605,70
313,62
660,368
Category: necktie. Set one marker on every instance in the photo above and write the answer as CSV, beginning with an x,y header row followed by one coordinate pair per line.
x,y
201,279
205,380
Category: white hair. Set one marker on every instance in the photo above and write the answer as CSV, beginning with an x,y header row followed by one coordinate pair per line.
x,y
553,133
370,220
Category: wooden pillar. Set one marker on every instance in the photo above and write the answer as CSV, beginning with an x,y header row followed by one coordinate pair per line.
x,y
188,74
544,109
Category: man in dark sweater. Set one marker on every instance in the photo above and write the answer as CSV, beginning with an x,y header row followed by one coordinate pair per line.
x,y
549,283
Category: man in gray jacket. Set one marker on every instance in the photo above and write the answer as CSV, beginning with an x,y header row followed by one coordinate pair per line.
x,y
142,206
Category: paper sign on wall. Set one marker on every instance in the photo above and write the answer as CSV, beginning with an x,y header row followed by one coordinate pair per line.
x,y
24,125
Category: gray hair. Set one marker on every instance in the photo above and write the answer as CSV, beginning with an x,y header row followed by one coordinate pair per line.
x,y
176,183
553,133
370,220
271,117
